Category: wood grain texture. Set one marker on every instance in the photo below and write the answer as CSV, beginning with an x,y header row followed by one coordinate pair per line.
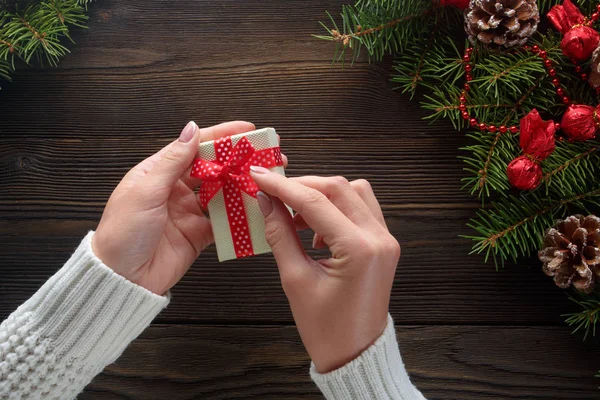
x,y
436,282
145,68
446,362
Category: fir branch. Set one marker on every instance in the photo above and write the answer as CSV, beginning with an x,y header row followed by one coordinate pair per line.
x,y
5,69
568,163
417,75
35,30
346,37
381,27
518,104
588,317
486,164
515,225
439,62
483,174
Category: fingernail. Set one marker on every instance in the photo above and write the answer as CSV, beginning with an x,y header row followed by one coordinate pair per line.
x,y
264,203
188,132
259,170
315,239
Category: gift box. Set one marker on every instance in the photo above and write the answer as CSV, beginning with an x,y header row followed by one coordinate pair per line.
x,y
228,192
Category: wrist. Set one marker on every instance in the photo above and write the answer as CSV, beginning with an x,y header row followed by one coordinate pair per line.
x,y
344,347
103,249
99,245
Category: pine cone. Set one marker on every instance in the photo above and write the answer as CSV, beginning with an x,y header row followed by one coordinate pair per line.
x,y
571,254
594,77
502,22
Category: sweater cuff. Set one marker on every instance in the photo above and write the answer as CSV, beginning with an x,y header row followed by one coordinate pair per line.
x,y
89,312
377,374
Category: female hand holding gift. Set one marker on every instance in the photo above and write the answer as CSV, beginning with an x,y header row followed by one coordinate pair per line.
x,y
340,304
152,228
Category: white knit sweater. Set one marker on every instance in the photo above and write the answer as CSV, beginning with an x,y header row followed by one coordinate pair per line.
x,y
85,315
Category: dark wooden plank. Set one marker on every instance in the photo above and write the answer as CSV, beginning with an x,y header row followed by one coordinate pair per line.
x,y
445,362
436,281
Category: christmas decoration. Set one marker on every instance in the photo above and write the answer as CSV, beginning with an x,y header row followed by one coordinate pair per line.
x,y
580,122
537,142
229,193
485,88
35,31
571,254
579,40
461,4
502,22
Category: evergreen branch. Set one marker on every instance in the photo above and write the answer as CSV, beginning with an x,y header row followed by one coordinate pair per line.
x,y
439,63
10,46
345,37
484,171
514,226
570,164
560,168
381,27
35,29
5,69
517,106
418,71
487,162
588,317
494,238
472,107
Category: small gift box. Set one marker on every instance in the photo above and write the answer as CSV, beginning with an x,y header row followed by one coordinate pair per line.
x,y
229,193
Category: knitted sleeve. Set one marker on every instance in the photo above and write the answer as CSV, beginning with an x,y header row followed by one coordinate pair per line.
x,y
377,374
78,322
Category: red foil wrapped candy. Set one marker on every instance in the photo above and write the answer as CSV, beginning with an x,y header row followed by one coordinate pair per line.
x,y
537,142
580,122
579,41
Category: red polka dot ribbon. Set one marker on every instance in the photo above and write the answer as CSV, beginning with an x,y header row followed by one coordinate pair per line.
x,y
231,172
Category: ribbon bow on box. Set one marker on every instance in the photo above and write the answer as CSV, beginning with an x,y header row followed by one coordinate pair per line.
x,y
230,171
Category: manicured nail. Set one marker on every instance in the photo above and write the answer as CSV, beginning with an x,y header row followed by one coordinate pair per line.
x,y
264,203
259,170
188,132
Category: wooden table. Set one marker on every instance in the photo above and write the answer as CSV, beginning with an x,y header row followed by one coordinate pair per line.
x,y
145,68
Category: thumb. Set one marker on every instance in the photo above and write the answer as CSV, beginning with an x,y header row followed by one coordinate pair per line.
x,y
282,237
174,162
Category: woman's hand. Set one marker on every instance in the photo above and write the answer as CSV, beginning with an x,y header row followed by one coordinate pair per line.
x,y
152,228
340,304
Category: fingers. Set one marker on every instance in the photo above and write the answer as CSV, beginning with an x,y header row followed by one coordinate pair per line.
x,y
363,188
282,237
225,129
285,160
342,195
173,163
314,207
327,186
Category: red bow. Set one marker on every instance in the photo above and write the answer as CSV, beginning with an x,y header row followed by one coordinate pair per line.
x,y
231,171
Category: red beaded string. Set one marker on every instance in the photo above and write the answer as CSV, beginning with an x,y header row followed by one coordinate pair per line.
x,y
560,91
463,100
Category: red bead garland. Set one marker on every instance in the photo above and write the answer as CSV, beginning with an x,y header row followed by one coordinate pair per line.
x,y
548,64
463,100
